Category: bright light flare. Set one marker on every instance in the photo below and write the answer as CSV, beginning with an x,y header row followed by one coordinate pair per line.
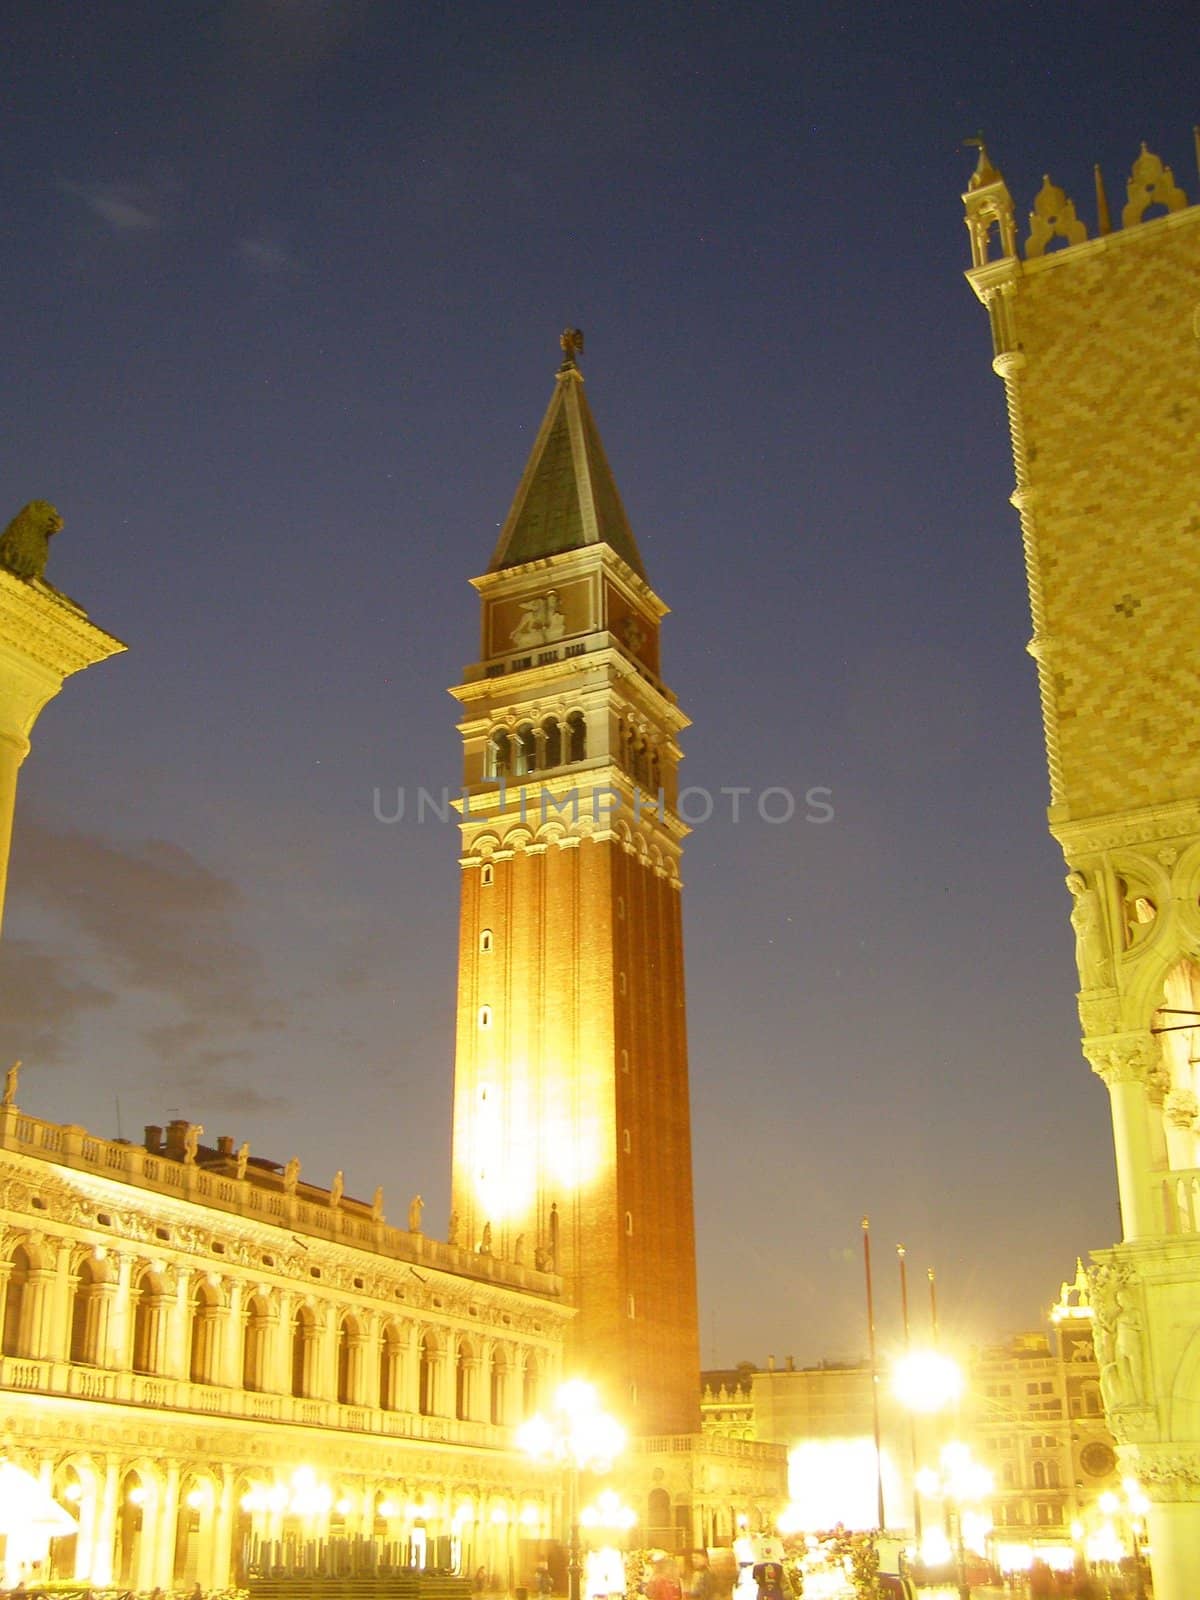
x,y
927,1381
579,1431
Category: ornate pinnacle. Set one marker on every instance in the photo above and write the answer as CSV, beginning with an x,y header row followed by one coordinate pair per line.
x,y
571,340
984,172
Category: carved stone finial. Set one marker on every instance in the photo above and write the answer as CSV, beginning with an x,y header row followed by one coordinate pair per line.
x,y
571,340
11,1079
1150,184
985,172
337,1189
1053,217
25,543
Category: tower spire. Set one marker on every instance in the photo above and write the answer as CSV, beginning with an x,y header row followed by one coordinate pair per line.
x,y
567,497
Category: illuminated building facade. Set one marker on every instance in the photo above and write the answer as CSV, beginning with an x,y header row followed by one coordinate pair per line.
x,y
571,1140
1031,1415
44,637
1096,342
216,1368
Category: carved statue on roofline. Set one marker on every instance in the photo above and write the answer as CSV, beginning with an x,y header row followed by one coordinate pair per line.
x,y
25,543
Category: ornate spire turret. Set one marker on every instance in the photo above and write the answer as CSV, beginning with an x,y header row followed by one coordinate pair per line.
x,y
989,205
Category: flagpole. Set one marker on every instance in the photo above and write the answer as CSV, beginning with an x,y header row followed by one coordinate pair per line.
x,y
912,1415
866,1232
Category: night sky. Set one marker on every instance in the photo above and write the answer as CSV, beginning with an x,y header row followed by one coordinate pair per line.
x,y
282,284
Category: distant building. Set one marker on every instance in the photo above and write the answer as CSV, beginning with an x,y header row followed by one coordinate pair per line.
x,y
221,1373
1097,341
1031,1415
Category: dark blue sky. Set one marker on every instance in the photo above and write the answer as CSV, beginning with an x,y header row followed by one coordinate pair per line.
x,y
282,284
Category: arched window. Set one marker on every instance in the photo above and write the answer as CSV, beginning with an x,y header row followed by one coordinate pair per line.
x,y
389,1369
254,1344
551,743
658,1515
205,1349
576,737
526,751
485,942
487,874
14,1303
304,1348
1039,1474
499,1380
87,1319
427,1376
349,1361
462,1381
148,1310
498,761
530,1385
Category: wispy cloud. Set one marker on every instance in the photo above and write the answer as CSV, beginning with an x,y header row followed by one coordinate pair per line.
x,y
121,207
42,1001
265,256
160,922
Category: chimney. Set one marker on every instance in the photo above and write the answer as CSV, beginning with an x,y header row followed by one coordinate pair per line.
x,y
153,1140
770,1363
791,1363
224,1145
176,1133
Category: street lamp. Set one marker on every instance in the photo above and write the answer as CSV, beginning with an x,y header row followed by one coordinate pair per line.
x,y
580,1437
962,1483
925,1382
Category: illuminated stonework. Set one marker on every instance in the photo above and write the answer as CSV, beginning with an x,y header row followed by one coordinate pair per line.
x,y
44,637
572,1143
1098,344
215,1371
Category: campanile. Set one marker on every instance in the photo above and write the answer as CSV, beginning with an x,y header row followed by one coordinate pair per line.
x,y
571,1127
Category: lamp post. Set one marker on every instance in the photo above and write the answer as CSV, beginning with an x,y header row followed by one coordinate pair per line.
x,y
925,1382
580,1437
962,1482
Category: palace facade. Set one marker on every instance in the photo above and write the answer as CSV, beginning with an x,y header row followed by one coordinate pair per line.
x,y
1097,341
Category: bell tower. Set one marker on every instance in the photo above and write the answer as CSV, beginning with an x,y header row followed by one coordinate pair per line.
x,y
571,1125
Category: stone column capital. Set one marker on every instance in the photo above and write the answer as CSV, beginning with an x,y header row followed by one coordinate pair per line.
x,y
1127,1058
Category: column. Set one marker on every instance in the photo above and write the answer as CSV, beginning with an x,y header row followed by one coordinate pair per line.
x,y
1126,1065
1174,1529
42,641
216,1561
101,1572
166,1530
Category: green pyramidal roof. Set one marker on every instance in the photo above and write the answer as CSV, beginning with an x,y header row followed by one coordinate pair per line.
x,y
566,498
